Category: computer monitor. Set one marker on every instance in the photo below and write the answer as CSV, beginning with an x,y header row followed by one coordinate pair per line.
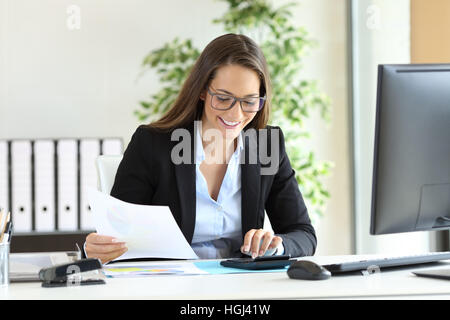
x,y
411,170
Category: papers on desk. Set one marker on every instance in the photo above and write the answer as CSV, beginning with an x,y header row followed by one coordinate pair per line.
x,y
26,266
149,231
180,268
138,270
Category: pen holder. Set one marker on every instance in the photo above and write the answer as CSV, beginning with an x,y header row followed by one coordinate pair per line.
x,y
4,264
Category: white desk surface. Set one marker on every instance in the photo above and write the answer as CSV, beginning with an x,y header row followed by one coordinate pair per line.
x,y
397,284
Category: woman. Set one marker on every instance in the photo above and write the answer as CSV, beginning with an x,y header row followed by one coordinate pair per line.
x,y
218,180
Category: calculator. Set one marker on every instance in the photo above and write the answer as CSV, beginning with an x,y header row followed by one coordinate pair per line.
x,y
259,263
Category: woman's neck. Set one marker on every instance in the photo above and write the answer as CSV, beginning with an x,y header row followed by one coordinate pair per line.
x,y
217,149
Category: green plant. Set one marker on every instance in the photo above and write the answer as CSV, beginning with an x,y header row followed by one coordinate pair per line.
x,y
294,98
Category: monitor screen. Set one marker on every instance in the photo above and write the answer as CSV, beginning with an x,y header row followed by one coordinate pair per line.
x,y
411,170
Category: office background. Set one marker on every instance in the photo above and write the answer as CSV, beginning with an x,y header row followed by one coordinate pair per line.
x,y
61,82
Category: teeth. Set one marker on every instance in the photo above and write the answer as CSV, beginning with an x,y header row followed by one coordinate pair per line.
x,y
230,123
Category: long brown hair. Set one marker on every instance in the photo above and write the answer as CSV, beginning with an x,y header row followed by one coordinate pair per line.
x,y
224,50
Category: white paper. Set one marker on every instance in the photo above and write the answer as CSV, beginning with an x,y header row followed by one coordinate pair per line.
x,y
149,231
26,266
119,270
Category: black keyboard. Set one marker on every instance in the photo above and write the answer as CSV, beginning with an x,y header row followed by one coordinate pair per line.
x,y
372,265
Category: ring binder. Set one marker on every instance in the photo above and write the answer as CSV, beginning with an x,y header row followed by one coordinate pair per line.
x,y
44,185
44,182
4,185
89,151
67,182
21,184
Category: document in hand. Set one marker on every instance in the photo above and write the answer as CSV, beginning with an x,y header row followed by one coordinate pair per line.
x,y
149,231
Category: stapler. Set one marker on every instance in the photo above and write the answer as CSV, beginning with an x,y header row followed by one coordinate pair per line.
x,y
70,274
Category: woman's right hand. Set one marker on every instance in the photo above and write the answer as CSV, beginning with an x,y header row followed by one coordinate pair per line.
x,y
105,248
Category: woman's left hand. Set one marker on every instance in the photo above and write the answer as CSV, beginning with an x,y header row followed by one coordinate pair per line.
x,y
258,241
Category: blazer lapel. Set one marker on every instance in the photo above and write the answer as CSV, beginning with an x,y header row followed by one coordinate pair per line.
x,y
185,179
250,184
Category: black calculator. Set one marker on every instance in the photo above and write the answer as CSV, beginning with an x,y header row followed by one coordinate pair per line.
x,y
259,263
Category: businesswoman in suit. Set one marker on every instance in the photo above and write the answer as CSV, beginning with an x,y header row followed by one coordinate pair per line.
x,y
215,192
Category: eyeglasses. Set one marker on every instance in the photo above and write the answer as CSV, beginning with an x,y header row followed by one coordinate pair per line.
x,y
220,101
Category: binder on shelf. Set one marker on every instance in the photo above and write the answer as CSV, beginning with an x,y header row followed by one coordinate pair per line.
x,y
89,151
4,184
112,146
44,182
21,185
44,185
67,184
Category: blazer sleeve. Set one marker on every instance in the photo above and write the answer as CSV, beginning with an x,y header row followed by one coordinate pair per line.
x,y
287,211
133,178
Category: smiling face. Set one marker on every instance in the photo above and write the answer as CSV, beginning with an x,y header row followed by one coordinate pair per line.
x,y
232,80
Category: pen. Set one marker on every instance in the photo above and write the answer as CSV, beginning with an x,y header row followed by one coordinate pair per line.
x,y
4,219
7,234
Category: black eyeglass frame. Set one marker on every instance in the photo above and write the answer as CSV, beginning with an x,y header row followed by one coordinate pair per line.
x,y
235,99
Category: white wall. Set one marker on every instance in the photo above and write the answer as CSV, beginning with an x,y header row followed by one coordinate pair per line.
x,y
382,35
57,82
326,22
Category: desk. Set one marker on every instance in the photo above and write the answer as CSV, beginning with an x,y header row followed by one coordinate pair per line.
x,y
391,284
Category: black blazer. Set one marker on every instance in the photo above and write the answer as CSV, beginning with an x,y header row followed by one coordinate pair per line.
x,y
147,175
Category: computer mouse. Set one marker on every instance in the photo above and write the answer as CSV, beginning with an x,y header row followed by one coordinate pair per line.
x,y
307,270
